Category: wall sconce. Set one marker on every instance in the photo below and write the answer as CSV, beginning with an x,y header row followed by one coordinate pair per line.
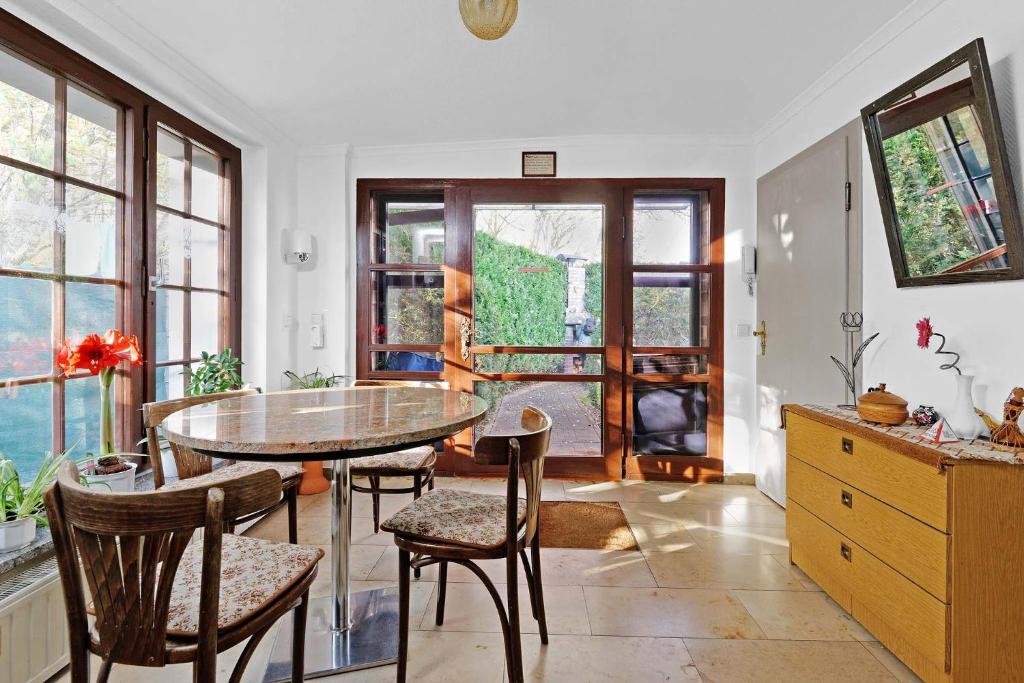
x,y
298,247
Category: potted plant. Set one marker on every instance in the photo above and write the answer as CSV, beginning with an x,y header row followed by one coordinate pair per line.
x,y
101,356
21,507
312,380
215,372
313,480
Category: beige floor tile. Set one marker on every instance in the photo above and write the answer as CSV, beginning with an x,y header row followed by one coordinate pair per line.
x,y
897,668
421,594
677,515
662,539
362,505
571,659
803,615
698,569
726,494
469,607
362,559
436,656
755,661
623,491
574,567
386,568
758,515
805,580
668,612
550,490
742,540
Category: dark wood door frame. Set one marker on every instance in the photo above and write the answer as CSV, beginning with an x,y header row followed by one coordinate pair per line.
x,y
615,194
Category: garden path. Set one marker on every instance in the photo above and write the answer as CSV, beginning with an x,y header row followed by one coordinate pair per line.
x,y
576,425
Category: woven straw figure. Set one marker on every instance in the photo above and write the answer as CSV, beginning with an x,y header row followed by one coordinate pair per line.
x,y
1009,433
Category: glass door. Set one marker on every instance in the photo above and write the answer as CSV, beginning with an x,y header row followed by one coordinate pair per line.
x,y
673,351
535,332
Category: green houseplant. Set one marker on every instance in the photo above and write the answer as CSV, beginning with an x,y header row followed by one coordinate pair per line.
x,y
21,507
312,380
215,372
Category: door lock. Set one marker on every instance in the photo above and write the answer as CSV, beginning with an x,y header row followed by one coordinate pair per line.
x,y
762,332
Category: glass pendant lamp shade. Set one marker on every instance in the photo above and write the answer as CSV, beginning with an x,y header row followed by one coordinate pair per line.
x,y
489,19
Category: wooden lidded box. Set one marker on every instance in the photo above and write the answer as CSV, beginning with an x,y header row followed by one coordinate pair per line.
x,y
878,405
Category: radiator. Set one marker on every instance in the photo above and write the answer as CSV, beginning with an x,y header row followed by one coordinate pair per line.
x,y
33,628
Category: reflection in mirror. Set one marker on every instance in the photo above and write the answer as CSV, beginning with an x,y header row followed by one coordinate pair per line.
x,y
937,151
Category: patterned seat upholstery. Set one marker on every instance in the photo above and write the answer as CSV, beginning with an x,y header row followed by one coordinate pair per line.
x,y
474,520
409,460
253,574
233,471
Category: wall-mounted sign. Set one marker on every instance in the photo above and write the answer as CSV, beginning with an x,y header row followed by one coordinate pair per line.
x,y
539,164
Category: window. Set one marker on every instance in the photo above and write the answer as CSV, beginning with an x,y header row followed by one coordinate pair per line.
x,y
101,187
61,220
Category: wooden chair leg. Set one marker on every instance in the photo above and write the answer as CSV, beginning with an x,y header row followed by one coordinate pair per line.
x,y
538,587
417,491
78,664
442,590
104,673
403,613
291,495
529,582
430,482
375,484
515,666
299,638
243,659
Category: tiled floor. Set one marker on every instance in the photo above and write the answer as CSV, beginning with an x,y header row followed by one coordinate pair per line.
x,y
710,596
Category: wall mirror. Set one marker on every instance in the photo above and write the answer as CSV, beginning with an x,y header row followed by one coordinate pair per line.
x,y
944,184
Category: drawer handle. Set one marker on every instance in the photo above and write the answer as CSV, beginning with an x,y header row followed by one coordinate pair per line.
x,y
845,551
847,446
847,499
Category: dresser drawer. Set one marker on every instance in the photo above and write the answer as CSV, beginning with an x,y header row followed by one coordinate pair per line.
x,y
913,548
814,547
916,488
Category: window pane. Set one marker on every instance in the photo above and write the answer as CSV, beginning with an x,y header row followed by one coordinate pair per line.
x,y
669,364
170,324
204,248
408,308
205,323
89,309
170,170
89,232
538,274
26,423
170,382
171,239
25,315
670,419
26,220
205,184
671,309
92,139
413,232
27,121
549,363
407,361
82,415
575,409
667,229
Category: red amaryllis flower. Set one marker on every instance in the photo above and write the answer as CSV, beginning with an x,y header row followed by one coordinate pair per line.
x,y
95,353
122,347
924,332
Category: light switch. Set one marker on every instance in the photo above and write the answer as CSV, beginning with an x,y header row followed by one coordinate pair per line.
x,y
743,330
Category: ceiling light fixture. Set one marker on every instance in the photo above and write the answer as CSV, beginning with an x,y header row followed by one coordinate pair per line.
x,y
488,19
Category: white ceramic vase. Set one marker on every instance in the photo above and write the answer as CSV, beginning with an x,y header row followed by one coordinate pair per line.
x,y
961,416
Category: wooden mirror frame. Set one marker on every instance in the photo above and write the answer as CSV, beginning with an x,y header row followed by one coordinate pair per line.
x,y
973,54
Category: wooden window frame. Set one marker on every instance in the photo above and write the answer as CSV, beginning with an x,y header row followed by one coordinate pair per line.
x,y
135,232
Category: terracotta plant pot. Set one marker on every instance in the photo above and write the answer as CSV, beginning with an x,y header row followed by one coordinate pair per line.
x,y
313,480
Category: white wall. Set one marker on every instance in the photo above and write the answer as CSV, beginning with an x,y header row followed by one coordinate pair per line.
x,y
981,321
325,187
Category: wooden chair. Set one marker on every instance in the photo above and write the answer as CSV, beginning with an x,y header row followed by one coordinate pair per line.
x,y
417,463
448,525
196,469
158,599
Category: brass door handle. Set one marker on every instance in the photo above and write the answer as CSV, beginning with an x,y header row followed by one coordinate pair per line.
x,y
762,332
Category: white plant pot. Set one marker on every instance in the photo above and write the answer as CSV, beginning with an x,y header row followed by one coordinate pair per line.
x,y
170,466
119,482
17,534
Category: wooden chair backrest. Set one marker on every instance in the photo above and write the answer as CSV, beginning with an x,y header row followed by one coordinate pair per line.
x,y
130,545
188,462
430,384
524,454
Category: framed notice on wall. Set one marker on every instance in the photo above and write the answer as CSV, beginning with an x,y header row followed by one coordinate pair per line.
x,y
539,164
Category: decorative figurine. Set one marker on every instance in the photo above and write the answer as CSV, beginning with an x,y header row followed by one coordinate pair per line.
x,y
852,323
925,416
1008,435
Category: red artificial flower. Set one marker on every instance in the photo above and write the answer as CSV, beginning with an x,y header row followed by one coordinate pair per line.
x,y
924,332
95,353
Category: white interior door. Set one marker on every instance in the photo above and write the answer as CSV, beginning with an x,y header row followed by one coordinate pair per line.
x,y
808,274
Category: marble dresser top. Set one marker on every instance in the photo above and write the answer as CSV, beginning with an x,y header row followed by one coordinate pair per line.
x,y
293,424
907,438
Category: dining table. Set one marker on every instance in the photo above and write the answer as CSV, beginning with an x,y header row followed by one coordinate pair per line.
x,y
346,631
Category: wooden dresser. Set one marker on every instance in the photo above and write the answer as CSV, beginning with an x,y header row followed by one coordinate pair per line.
x,y
923,545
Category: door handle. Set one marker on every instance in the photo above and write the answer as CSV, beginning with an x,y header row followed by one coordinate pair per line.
x,y
762,332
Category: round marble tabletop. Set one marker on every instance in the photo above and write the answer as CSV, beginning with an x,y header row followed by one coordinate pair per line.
x,y
318,423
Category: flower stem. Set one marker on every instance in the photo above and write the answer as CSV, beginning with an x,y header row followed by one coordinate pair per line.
x,y
106,412
942,345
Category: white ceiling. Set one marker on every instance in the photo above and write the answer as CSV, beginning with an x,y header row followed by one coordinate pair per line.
x,y
370,72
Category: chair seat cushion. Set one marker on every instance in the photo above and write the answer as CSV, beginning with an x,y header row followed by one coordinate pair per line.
x,y
254,573
474,520
410,460
233,471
